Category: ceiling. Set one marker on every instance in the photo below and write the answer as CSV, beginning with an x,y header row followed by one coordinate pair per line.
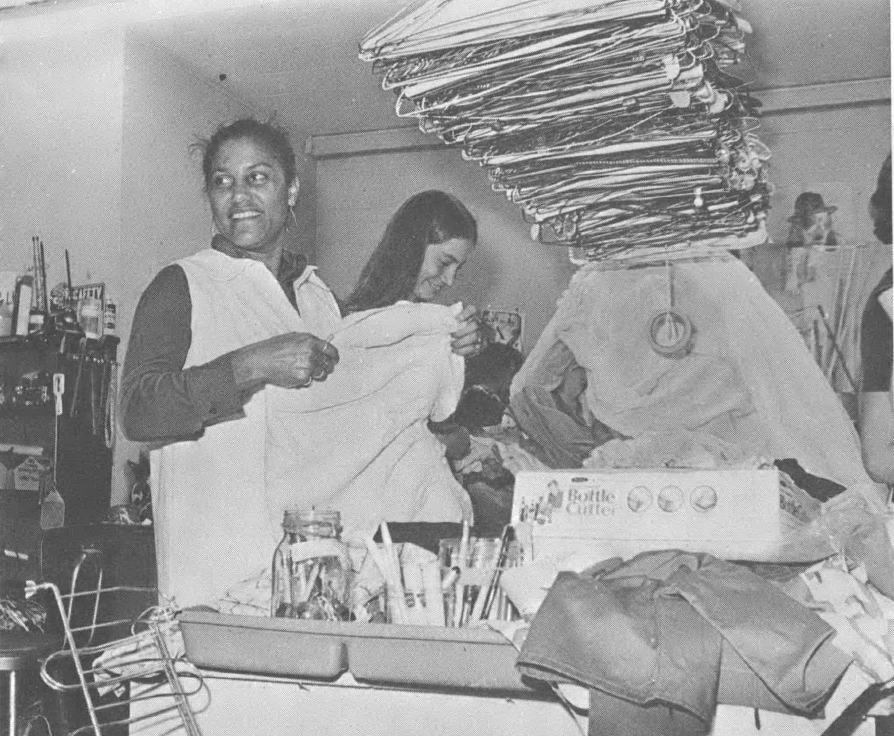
x,y
299,57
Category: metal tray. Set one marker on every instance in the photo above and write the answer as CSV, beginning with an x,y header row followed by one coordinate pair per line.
x,y
387,654
264,646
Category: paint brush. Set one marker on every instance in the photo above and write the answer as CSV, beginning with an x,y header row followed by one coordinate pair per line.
x,y
503,555
68,279
45,305
461,564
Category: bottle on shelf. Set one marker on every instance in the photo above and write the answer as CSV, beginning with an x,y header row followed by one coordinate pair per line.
x,y
109,317
90,317
35,321
24,290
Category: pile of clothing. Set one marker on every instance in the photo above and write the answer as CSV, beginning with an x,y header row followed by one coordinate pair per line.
x,y
746,381
660,640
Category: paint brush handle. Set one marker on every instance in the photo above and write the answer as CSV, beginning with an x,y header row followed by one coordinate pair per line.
x,y
491,593
68,273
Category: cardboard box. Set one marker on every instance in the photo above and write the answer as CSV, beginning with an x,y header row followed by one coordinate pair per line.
x,y
735,514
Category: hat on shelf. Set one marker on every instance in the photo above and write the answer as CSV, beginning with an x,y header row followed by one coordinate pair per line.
x,y
808,204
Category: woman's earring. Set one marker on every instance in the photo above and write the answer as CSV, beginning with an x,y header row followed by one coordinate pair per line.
x,y
292,212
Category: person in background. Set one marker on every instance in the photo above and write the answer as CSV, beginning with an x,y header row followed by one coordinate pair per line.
x,y
876,347
486,392
424,246
210,334
484,401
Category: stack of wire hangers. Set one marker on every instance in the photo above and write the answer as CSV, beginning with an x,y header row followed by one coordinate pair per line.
x,y
615,125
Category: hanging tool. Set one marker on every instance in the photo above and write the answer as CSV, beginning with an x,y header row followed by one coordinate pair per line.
x,y
58,391
107,400
82,356
94,416
111,426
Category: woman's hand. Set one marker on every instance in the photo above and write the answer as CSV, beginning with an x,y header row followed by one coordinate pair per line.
x,y
471,337
292,360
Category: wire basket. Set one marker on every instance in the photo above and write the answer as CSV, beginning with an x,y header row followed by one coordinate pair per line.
x,y
119,662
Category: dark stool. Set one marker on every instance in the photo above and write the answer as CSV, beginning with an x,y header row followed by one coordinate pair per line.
x,y
21,651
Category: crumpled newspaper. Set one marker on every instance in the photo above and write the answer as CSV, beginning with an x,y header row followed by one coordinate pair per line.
x,y
862,616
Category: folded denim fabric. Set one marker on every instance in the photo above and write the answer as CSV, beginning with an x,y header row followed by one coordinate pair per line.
x,y
679,629
624,640
776,636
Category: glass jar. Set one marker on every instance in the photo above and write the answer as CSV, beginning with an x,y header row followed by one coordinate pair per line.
x,y
311,568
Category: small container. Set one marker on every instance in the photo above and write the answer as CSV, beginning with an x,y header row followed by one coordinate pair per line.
x,y
7,310
465,581
311,569
90,316
24,290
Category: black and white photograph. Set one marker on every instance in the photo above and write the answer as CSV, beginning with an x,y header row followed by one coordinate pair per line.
x,y
400,367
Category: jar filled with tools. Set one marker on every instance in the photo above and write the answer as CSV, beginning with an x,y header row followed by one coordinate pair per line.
x,y
311,568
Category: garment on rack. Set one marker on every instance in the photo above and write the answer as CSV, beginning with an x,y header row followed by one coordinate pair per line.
x,y
660,629
359,442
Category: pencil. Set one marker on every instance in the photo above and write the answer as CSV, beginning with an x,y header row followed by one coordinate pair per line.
x,y
434,597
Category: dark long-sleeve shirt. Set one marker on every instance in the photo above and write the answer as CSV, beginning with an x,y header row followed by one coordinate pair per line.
x,y
876,341
160,400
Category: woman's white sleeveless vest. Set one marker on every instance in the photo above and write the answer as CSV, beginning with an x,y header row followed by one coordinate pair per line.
x,y
213,524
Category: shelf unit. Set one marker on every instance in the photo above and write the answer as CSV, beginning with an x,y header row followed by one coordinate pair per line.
x,y
83,457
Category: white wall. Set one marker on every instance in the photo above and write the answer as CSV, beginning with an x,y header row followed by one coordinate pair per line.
x,y
837,152
60,151
164,212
